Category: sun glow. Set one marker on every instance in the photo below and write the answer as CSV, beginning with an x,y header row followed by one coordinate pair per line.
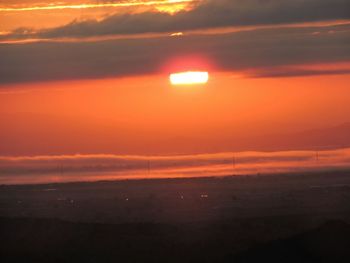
x,y
189,78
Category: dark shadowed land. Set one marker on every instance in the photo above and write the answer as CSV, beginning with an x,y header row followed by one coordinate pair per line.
x,y
273,218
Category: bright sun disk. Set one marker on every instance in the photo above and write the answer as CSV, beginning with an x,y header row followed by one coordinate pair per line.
x,y
189,78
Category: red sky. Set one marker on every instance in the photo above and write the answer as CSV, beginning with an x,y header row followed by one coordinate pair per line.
x,y
146,114
92,77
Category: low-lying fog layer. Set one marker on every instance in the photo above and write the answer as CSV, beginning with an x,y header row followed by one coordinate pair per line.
x,y
66,168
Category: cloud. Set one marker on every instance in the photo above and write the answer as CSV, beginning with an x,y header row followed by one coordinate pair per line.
x,y
295,72
259,49
207,14
84,5
100,167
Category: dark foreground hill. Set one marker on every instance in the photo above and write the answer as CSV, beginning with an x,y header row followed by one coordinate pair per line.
x,y
328,243
51,240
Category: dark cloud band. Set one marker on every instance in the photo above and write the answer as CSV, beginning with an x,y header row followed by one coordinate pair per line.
x,y
240,51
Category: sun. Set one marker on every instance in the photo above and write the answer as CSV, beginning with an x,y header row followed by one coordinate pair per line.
x,y
189,78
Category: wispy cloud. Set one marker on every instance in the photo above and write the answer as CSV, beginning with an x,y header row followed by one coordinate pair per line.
x,y
59,6
300,71
60,168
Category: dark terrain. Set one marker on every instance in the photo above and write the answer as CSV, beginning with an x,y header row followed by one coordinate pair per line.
x,y
269,218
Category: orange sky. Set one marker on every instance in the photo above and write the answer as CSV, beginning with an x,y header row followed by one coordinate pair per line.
x,y
147,115
80,88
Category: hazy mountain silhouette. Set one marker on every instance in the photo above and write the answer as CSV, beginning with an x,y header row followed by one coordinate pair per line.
x,y
325,138
117,138
334,137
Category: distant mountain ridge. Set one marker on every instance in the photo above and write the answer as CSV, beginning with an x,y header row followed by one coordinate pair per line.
x,y
334,137
326,138
62,136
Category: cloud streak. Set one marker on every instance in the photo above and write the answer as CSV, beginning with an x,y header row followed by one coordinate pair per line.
x,y
101,167
92,5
